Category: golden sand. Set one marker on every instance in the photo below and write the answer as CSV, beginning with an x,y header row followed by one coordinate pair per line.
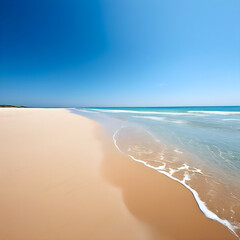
x,y
60,180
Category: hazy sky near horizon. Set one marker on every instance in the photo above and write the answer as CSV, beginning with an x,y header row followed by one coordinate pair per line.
x,y
120,52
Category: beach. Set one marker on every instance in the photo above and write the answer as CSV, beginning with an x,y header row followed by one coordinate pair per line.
x,y
61,177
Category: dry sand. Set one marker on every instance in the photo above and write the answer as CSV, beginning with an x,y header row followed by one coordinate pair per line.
x,y
60,179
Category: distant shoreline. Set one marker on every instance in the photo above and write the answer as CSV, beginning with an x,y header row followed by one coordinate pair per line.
x,y
11,106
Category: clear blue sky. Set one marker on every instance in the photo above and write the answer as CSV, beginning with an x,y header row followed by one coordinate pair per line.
x,y
119,52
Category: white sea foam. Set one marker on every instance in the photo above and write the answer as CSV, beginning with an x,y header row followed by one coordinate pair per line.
x,y
202,206
197,170
150,117
231,119
114,111
216,112
84,110
178,151
185,166
172,113
162,119
161,167
172,171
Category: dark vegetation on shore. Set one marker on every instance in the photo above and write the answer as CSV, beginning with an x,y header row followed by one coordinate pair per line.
x,y
11,106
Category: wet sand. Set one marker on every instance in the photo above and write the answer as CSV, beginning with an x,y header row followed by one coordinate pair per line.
x,y
62,178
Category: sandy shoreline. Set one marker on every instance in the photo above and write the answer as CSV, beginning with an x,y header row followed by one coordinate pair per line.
x,y
61,179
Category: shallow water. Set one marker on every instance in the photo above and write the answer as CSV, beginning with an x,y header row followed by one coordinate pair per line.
x,y
197,146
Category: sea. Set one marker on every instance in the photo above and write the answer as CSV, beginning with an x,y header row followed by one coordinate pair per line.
x,y
198,147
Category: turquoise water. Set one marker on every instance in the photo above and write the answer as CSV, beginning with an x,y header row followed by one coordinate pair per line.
x,y
197,146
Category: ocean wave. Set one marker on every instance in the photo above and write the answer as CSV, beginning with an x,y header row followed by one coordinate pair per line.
x,y
115,111
151,118
201,204
231,119
146,112
83,110
188,113
216,112
162,119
